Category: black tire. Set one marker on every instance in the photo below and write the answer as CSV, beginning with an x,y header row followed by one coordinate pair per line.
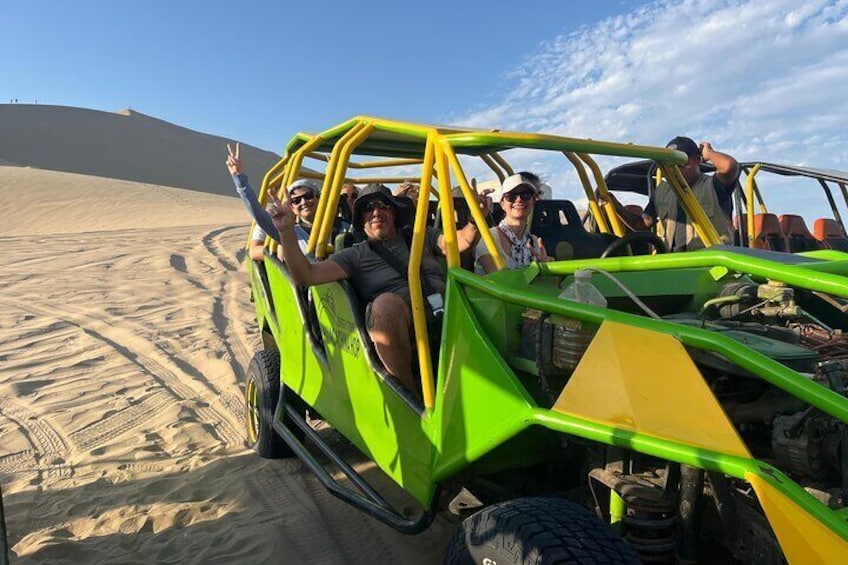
x,y
536,531
261,393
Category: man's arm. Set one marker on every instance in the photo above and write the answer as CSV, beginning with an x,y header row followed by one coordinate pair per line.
x,y
248,197
649,214
302,270
466,238
727,169
257,249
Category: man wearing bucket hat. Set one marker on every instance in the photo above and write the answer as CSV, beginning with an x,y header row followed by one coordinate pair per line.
x,y
377,269
713,192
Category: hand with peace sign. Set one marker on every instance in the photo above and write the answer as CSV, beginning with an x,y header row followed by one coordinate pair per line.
x,y
281,211
539,253
483,197
234,159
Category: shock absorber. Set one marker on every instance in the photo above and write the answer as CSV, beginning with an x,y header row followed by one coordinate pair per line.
x,y
651,526
643,507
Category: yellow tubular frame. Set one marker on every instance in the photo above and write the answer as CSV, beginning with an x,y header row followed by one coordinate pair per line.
x,y
329,175
385,163
494,166
502,162
474,207
614,220
314,235
703,226
293,167
263,192
446,200
590,195
297,160
759,196
381,180
332,198
750,187
419,319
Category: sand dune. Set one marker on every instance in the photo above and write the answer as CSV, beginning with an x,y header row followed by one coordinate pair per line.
x,y
125,328
123,145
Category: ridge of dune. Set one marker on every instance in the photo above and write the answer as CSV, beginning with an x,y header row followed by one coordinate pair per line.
x,y
126,145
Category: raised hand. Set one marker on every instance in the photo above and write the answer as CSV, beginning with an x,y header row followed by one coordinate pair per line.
x,y
539,253
706,150
408,189
234,159
281,211
483,198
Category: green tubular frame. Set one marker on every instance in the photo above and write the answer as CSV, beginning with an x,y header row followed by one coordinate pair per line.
x,y
771,371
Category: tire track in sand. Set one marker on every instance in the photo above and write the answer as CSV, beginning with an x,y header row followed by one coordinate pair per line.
x,y
226,304
150,361
49,445
121,422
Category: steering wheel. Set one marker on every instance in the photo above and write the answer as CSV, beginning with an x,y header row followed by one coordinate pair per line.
x,y
635,237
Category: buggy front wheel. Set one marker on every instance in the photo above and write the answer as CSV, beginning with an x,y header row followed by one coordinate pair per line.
x,y
261,393
537,531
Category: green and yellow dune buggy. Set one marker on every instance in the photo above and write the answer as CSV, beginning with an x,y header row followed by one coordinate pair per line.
x,y
699,417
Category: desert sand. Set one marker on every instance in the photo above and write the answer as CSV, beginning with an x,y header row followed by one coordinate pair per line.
x,y
125,330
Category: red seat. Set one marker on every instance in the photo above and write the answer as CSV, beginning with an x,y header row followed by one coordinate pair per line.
x,y
768,234
800,238
830,233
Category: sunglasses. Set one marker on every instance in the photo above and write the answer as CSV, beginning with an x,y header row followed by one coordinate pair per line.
x,y
524,195
303,198
350,195
377,205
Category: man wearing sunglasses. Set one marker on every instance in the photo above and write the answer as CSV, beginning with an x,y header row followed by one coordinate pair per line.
x,y
714,193
376,268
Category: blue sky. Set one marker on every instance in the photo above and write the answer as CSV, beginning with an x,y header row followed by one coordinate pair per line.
x,y
261,70
760,79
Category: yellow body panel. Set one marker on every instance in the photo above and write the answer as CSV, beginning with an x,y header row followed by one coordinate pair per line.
x,y
802,538
646,382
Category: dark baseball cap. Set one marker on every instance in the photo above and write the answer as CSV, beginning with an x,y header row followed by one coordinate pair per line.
x,y
684,144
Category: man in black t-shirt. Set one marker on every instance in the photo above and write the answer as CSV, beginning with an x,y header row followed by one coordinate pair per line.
x,y
378,283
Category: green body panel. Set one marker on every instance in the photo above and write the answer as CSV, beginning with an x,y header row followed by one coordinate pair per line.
x,y
479,401
826,255
359,402
339,383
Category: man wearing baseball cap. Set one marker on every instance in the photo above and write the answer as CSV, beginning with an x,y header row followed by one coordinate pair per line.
x,y
377,269
712,191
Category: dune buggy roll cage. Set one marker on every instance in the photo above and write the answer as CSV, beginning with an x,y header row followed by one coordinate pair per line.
x,y
436,149
754,196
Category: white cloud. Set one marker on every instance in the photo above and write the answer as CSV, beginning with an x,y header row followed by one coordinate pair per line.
x,y
760,80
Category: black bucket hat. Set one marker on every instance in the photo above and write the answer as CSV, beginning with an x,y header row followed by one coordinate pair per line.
x,y
376,191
